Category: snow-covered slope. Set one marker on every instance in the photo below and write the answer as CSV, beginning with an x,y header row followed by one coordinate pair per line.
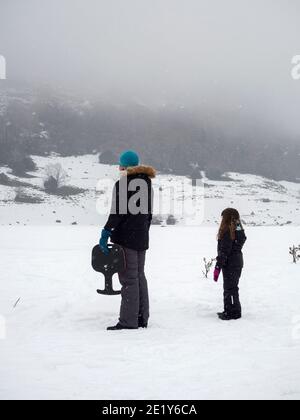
x,y
260,201
56,345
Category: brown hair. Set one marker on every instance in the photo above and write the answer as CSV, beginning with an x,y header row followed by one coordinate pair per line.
x,y
230,220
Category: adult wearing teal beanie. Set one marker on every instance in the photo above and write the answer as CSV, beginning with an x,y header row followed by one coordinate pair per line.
x,y
130,229
129,159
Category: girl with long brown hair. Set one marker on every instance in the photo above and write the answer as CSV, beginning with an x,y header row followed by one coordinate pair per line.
x,y
231,239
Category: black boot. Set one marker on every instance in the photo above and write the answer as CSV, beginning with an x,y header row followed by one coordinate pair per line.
x,y
225,316
142,323
119,327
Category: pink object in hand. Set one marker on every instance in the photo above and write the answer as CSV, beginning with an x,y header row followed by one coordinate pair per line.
x,y
217,273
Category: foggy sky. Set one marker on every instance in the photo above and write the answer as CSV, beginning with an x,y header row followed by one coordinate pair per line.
x,y
233,53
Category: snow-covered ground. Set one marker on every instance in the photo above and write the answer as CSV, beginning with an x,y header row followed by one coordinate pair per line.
x,y
261,201
56,345
53,338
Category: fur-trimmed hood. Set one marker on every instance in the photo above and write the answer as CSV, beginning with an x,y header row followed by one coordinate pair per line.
x,y
141,169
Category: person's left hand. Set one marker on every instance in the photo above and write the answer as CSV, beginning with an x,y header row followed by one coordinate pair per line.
x,y
105,235
217,273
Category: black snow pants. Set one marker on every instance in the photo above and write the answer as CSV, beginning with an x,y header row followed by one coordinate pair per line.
x,y
135,299
232,303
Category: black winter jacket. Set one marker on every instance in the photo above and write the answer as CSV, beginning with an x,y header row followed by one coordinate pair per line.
x,y
230,252
131,212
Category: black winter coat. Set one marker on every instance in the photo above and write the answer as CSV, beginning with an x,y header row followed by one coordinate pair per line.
x,y
131,212
230,252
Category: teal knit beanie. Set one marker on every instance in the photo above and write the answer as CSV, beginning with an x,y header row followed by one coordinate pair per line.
x,y
129,159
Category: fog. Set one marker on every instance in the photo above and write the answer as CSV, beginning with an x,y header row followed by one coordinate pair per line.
x,y
226,55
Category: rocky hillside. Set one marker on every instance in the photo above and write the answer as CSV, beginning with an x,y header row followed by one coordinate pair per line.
x,y
173,137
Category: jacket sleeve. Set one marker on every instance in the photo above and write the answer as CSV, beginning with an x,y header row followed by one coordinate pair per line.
x,y
115,217
244,239
224,250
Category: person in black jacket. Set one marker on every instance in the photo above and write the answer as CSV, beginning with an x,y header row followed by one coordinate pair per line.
x,y
231,239
128,226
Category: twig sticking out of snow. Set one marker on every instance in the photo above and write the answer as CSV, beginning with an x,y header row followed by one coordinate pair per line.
x,y
17,302
295,252
207,266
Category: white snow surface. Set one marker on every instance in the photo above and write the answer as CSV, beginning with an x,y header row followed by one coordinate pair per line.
x,y
56,345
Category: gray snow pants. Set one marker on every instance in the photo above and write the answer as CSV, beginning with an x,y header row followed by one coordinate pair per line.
x,y
135,299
